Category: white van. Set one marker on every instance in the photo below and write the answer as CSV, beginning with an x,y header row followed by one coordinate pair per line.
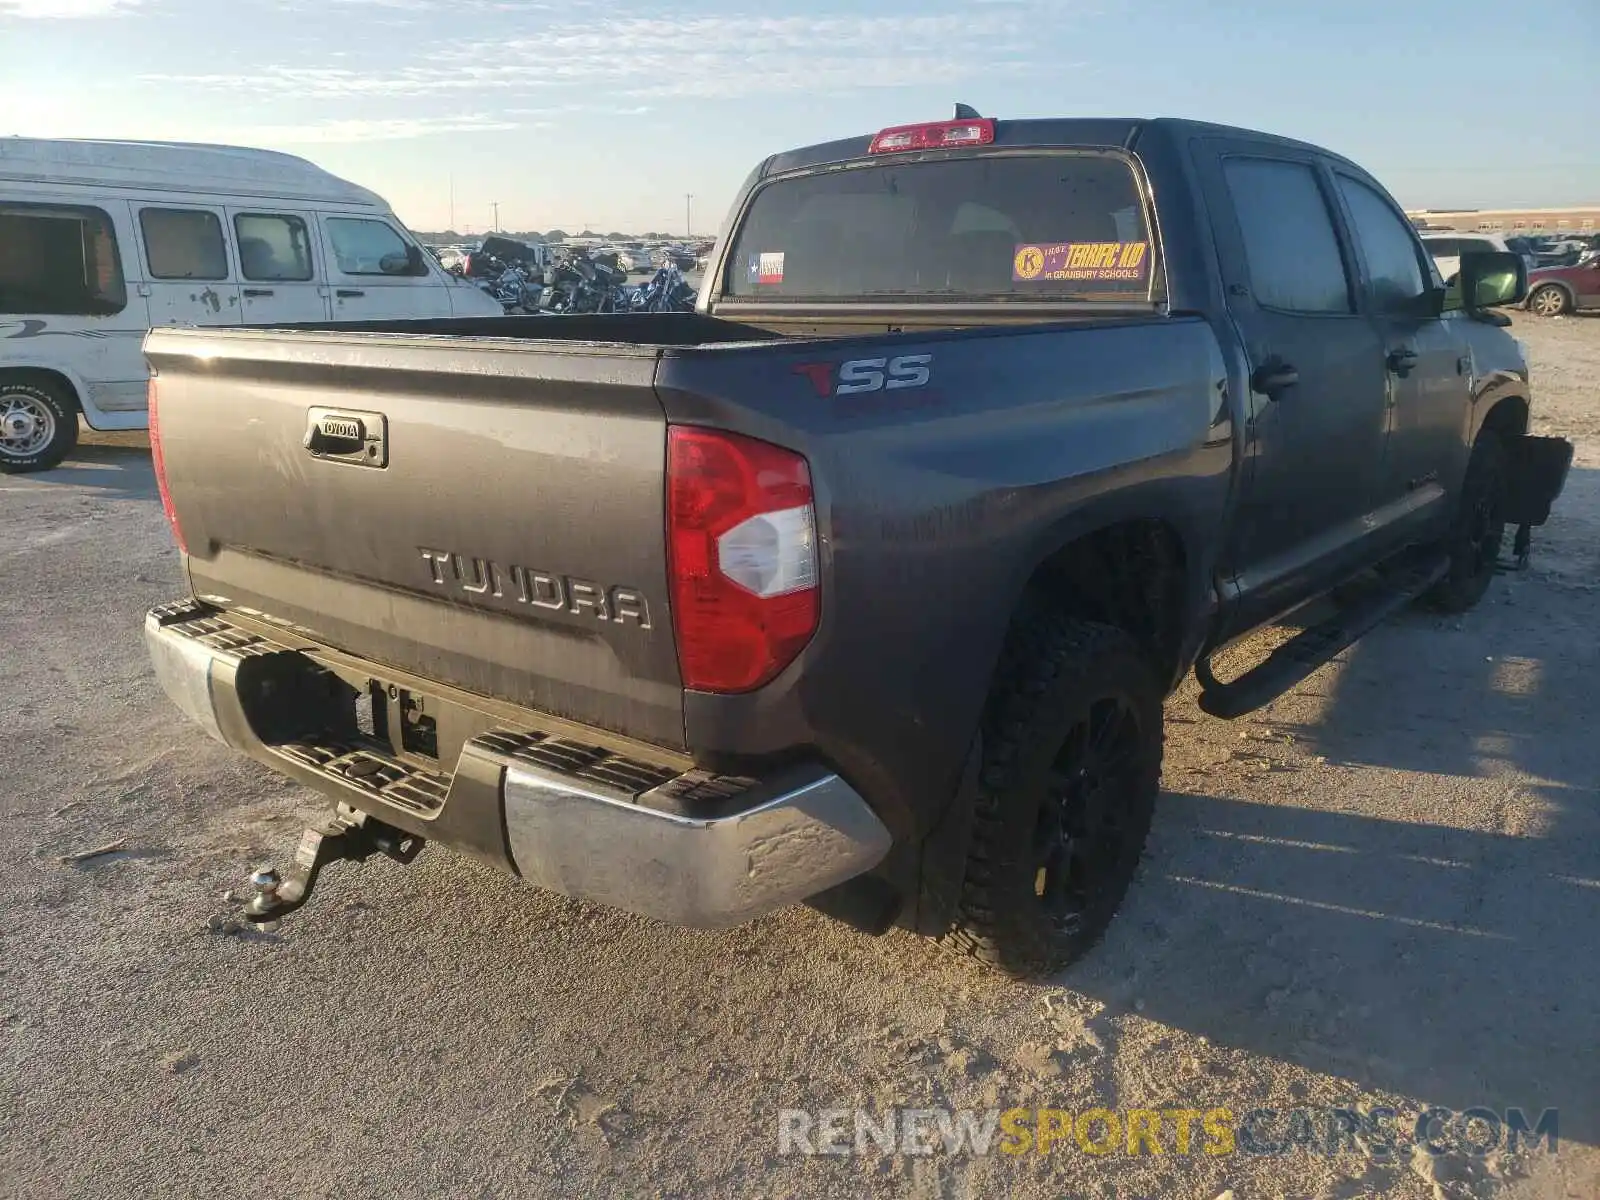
x,y
101,240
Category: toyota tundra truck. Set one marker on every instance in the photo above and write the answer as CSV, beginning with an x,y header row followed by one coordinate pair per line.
x,y
864,584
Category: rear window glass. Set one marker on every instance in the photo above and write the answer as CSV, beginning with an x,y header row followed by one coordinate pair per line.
x,y
1048,227
59,259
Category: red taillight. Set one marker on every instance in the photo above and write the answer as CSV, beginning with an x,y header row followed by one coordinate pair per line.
x,y
941,135
742,547
159,461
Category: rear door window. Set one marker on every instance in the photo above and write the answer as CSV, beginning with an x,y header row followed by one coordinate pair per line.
x,y
273,247
58,259
1046,227
1291,247
183,243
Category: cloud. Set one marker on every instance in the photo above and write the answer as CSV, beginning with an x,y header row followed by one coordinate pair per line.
x,y
729,56
65,10
385,130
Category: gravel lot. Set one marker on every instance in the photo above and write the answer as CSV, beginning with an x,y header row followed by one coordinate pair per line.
x,y
1385,888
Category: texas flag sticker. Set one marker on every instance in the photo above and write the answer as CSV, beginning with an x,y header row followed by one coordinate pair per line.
x,y
766,268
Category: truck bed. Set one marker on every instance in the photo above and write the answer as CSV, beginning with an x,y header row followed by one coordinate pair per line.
x,y
509,538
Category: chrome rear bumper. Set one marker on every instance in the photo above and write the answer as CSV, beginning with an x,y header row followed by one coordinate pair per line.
x,y
688,847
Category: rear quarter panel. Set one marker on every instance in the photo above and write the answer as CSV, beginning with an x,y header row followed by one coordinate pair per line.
x,y
935,505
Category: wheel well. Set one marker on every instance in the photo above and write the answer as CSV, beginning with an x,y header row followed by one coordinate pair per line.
x,y
1507,419
1131,575
43,377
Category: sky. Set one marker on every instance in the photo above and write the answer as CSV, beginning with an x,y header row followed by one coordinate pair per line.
x,y
581,113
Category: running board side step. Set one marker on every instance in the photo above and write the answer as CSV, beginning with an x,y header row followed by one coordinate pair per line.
x,y
1294,661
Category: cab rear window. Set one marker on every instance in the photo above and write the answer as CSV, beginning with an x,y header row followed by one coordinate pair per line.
x,y
1049,227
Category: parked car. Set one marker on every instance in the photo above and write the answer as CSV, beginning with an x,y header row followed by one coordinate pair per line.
x,y
1446,249
628,260
1562,252
100,241
1553,291
865,584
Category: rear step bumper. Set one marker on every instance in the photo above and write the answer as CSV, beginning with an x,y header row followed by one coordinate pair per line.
x,y
684,846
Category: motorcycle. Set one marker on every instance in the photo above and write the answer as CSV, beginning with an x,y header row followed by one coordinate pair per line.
x,y
667,291
586,285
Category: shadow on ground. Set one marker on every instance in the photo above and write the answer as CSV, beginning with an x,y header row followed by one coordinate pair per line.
x,y
121,469
1368,933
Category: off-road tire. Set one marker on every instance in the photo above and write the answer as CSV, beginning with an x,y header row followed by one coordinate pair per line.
x,y
1053,672
1477,532
62,409
1549,300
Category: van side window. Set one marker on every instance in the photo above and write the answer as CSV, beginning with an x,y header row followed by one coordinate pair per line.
x,y
1393,265
365,247
273,248
1289,241
59,259
183,243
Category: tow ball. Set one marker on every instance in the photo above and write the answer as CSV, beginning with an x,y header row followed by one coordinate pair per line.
x,y
347,833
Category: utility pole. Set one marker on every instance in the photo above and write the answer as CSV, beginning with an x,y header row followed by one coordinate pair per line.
x,y
496,206
452,224
688,214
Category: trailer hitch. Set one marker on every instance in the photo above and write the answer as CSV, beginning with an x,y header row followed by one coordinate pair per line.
x,y
347,833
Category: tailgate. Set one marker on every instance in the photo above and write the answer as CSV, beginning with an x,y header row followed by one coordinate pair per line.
x,y
482,512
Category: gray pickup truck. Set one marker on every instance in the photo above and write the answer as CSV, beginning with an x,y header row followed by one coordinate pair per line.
x,y
864,584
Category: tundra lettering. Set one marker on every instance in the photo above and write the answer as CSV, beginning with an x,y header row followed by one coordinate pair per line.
x,y
540,589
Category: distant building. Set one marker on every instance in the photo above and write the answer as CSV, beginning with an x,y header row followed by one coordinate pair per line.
x,y
1584,219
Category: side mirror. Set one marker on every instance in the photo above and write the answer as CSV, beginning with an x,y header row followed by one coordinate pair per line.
x,y
1492,279
407,263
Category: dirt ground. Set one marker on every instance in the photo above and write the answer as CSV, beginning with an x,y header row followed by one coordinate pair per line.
x,y
1382,889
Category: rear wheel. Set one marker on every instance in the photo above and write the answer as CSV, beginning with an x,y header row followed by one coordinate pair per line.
x,y
1072,765
1475,537
38,426
1549,300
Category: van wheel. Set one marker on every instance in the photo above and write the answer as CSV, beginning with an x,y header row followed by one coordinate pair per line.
x,y
1072,739
38,426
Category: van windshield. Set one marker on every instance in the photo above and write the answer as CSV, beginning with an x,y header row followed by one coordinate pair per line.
x,y
1030,227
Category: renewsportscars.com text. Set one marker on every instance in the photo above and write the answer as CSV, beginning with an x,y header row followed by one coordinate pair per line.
x,y
1376,1133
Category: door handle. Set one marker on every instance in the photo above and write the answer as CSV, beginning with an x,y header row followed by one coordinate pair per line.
x,y
1274,376
252,293
356,437
347,293
1401,360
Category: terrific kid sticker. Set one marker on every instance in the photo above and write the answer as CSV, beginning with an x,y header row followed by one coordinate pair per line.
x,y
767,267
1090,261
